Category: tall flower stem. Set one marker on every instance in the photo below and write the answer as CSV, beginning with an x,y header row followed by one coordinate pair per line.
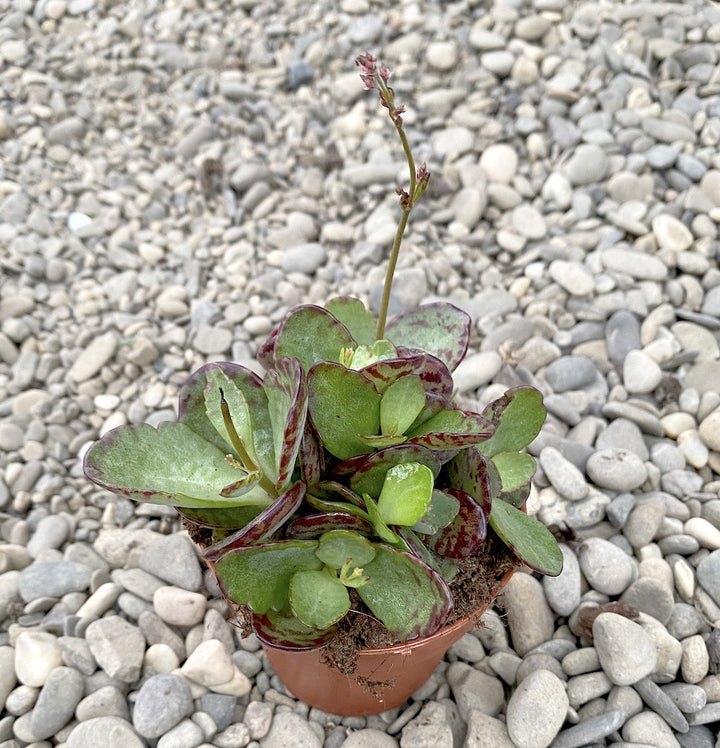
x,y
374,76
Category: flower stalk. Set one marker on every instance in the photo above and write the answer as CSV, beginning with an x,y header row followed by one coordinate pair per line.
x,y
376,76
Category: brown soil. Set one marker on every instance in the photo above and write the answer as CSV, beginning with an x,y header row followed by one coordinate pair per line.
x,y
473,587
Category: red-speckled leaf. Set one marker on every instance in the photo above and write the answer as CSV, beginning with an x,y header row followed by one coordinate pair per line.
x,y
310,334
383,373
367,473
170,465
527,537
259,575
445,567
331,490
192,410
311,457
433,373
314,525
467,531
286,632
451,429
471,473
343,405
518,417
439,329
409,597
287,404
264,525
357,319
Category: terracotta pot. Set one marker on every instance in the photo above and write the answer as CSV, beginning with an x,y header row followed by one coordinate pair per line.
x,y
385,678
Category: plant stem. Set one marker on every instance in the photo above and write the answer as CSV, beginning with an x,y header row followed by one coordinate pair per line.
x,y
395,251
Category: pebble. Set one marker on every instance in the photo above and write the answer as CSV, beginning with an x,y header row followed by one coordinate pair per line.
x,y
92,359
173,559
290,730
606,567
179,607
570,373
37,654
162,701
536,710
110,731
530,619
563,592
56,702
118,647
625,650
616,469
563,475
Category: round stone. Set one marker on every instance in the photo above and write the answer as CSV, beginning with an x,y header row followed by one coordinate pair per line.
x,y
537,709
56,702
567,480
671,234
606,567
37,654
499,161
563,591
118,647
529,617
589,163
162,701
109,732
640,373
617,469
625,650
179,607
709,430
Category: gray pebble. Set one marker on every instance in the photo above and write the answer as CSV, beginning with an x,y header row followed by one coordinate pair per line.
x,y
118,647
591,730
162,701
53,579
563,591
626,652
290,730
570,373
607,568
173,559
536,710
56,702
616,469
660,702
530,619
708,575
110,732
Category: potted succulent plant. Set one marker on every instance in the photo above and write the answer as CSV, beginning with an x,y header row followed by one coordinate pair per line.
x,y
343,500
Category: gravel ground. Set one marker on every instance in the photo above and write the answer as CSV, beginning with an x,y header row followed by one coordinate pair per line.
x,y
173,176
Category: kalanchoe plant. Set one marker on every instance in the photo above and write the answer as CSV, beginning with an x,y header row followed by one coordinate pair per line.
x,y
347,466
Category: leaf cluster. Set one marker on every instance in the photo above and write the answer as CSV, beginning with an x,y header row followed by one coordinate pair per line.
x,y
346,466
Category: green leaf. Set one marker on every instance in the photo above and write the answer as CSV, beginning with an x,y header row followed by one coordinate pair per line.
x,y
379,525
442,511
259,575
171,465
409,597
318,599
192,411
365,355
343,405
527,537
356,318
518,417
516,469
406,493
440,329
285,631
337,547
219,385
287,405
310,334
401,404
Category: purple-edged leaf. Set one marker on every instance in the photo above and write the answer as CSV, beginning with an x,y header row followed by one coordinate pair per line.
x,y
192,410
342,406
222,519
331,490
445,567
383,373
324,505
357,319
527,538
310,334
516,469
314,525
259,575
264,525
266,353
382,441
471,473
409,597
318,599
439,329
433,405
467,531
517,497
310,456
286,632
451,429
518,417
171,465
287,404
434,374
367,473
